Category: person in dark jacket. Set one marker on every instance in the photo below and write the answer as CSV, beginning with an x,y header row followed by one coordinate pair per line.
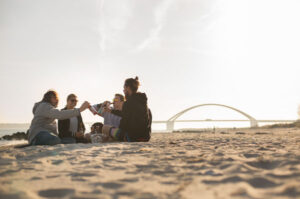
x,y
135,125
71,130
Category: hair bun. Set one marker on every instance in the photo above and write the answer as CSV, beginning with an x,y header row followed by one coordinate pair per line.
x,y
136,78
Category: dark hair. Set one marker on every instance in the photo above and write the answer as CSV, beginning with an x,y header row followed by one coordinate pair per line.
x,y
47,96
122,98
99,125
133,84
70,96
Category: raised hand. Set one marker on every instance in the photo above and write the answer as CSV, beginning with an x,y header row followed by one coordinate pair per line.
x,y
106,104
84,106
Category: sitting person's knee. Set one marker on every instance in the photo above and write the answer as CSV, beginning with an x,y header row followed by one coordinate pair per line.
x,y
54,140
46,138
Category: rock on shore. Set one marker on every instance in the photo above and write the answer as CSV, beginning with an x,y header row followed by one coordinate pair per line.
x,y
16,136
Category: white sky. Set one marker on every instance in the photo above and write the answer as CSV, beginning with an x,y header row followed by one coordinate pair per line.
x,y
240,53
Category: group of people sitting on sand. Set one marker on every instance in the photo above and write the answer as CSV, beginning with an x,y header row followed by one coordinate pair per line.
x,y
128,119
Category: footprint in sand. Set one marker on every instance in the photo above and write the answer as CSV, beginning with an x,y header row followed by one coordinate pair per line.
x,y
145,195
85,162
240,192
130,180
108,159
96,191
112,185
8,172
71,158
165,172
56,193
79,176
223,132
79,179
212,173
192,160
113,148
264,164
76,197
28,168
168,182
233,179
128,152
225,166
53,176
261,183
82,174
251,155
147,166
57,162
283,176
36,178
118,168
123,193
262,133
291,191
5,162
11,196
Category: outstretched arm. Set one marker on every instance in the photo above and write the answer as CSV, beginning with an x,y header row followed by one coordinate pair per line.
x,y
64,114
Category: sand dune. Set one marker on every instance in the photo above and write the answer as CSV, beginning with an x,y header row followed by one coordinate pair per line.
x,y
227,164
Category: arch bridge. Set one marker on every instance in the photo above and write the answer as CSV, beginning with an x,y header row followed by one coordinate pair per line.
x,y
170,122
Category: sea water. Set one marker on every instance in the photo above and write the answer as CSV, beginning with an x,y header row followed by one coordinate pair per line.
x,y
9,129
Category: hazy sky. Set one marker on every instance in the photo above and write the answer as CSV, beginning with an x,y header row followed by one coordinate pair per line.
x,y
186,52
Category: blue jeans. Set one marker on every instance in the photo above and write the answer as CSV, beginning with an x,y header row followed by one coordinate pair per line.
x,y
119,135
46,138
68,140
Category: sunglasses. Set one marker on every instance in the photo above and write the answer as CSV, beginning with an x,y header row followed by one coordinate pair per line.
x,y
74,100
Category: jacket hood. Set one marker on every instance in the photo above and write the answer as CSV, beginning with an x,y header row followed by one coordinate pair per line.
x,y
37,104
35,107
140,97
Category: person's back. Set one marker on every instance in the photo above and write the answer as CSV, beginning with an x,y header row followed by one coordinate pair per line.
x,y
135,125
137,118
40,122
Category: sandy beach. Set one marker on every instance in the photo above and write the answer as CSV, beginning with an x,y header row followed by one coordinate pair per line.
x,y
244,163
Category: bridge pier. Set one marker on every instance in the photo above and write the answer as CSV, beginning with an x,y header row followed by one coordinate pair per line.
x,y
170,125
253,123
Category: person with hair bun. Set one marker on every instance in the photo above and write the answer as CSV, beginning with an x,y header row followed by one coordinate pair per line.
x,y
135,125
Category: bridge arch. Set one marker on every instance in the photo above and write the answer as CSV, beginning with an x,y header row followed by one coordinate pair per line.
x,y
171,121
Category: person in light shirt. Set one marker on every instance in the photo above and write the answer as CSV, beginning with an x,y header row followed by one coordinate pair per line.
x,y
111,115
